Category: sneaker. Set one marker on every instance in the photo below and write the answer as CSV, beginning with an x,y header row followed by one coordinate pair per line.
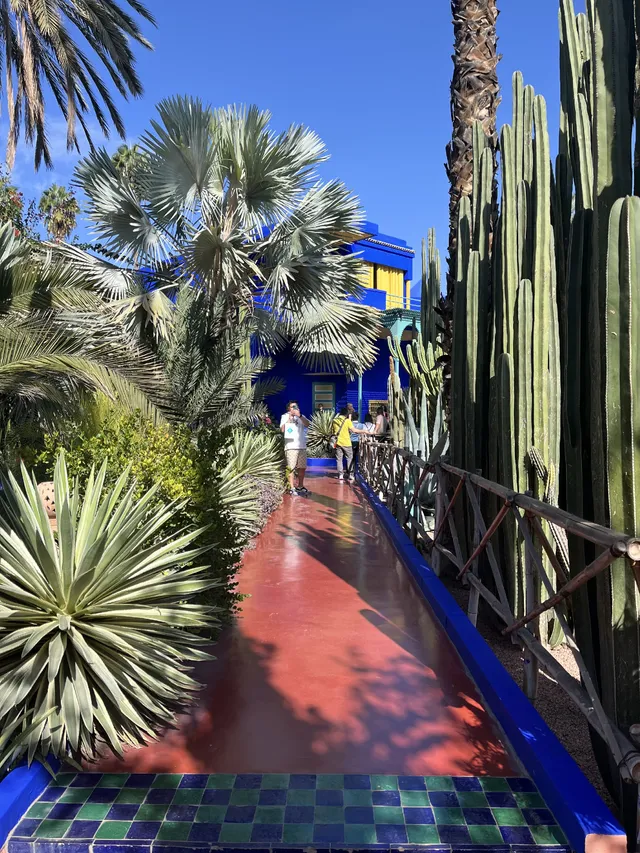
x,y
303,490
341,476
293,492
352,479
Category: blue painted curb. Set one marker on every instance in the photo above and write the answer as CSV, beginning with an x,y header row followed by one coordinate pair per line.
x,y
570,796
324,462
18,790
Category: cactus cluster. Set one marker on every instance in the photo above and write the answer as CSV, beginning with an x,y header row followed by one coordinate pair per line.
x,y
416,413
546,338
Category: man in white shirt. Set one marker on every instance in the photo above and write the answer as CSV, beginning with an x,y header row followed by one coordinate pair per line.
x,y
294,427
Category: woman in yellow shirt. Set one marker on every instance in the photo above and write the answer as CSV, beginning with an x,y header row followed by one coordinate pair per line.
x,y
342,428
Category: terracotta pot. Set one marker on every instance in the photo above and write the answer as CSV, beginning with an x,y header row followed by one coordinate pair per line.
x,y
47,495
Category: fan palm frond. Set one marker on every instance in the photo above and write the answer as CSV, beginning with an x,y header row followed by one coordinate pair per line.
x,y
229,207
336,335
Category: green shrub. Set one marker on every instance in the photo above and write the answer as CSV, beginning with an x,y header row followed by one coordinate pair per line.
x,y
184,469
253,463
319,433
96,623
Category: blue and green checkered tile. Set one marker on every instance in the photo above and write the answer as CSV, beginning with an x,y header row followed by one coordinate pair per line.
x,y
271,810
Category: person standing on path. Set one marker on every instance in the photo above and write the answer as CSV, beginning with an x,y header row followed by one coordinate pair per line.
x,y
294,427
359,428
382,424
342,428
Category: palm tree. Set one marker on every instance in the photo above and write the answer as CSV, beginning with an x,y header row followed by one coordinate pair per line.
x,y
131,164
128,159
228,207
59,209
209,369
45,45
474,97
59,338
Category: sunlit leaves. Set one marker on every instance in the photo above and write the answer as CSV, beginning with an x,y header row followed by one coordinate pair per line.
x,y
95,624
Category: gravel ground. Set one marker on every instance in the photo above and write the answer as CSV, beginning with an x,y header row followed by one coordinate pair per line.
x,y
560,714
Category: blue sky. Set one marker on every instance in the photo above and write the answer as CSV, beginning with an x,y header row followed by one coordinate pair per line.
x,y
371,78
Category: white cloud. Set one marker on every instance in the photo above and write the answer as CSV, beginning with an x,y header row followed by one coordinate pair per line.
x,y
33,183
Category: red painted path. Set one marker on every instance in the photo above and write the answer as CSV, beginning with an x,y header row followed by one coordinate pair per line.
x,y
335,666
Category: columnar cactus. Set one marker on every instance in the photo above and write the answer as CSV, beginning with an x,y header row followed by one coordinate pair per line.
x,y
420,360
431,278
621,377
548,300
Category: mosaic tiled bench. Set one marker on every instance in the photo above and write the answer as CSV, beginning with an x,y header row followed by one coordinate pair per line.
x,y
119,813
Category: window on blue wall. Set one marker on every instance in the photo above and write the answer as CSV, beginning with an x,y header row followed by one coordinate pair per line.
x,y
324,396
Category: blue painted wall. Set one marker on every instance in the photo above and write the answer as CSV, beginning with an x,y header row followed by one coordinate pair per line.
x,y
299,384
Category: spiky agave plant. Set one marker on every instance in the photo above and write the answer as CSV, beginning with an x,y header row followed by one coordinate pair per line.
x,y
94,625
319,433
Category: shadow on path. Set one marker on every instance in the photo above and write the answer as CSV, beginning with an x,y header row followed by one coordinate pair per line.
x,y
335,665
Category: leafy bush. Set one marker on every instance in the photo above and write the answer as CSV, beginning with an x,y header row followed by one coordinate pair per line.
x,y
319,433
170,459
94,622
254,468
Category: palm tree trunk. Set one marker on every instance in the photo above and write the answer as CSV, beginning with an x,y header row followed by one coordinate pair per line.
x,y
474,97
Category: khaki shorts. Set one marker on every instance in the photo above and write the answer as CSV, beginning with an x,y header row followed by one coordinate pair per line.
x,y
296,459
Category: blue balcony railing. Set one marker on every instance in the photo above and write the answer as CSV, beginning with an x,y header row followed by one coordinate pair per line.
x,y
386,301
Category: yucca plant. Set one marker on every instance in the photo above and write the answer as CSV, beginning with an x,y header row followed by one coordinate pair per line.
x,y
253,457
95,628
319,433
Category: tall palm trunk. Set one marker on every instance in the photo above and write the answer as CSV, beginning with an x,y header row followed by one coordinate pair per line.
x,y
474,97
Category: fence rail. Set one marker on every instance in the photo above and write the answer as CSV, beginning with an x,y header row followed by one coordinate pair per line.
x,y
429,497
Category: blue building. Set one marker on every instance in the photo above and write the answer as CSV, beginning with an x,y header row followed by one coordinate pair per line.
x,y
387,274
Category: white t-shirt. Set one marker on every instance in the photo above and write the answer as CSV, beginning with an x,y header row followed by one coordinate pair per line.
x,y
295,434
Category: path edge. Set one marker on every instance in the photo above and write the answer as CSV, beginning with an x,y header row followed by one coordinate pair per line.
x,y
19,789
579,810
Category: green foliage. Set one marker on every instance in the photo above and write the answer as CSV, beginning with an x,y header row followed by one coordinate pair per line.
x,y
12,209
250,460
169,459
319,433
95,623
245,211
208,364
59,210
54,46
131,164
59,337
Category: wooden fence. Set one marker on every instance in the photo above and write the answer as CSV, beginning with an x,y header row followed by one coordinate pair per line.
x,y
429,497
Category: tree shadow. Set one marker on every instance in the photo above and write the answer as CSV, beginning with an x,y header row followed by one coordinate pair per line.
x,y
309,681
242,724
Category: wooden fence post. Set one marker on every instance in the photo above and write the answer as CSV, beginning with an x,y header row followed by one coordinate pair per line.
x,y
531,665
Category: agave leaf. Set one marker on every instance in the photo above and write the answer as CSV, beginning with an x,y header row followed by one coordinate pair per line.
x,y
57,648
165,589
115,671
38,634
18,560
92,493
10,743
71,712
83,693
108,729
126,567
22,680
